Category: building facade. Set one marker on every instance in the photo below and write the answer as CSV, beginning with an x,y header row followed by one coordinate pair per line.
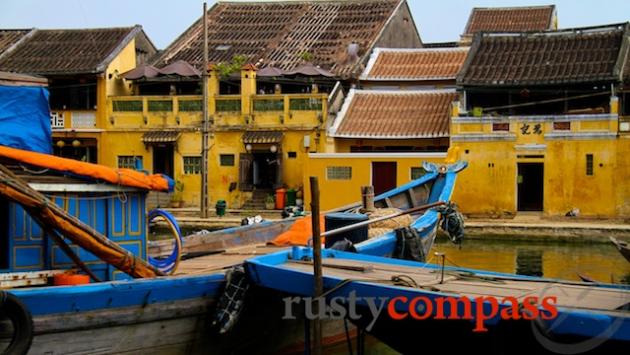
x,y
542,123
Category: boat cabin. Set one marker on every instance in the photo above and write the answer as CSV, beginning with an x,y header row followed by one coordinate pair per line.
x,y
28,257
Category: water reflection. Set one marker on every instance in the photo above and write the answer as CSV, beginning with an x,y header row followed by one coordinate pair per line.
x,y
529,262
601,262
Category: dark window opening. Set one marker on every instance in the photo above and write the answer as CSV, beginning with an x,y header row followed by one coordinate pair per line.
x,y
81,149
227,159
292,155
562,126
72,94
589,164
579,99
501,127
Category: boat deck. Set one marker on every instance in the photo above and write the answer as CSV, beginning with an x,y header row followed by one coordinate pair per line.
x,y
460,283
224,260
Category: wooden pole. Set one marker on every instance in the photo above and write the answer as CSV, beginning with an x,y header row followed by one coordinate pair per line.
x,y
205,128
317,264
370,221
367,198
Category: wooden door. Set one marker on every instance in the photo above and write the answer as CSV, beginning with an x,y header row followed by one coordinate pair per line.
x,y
245,173
383,176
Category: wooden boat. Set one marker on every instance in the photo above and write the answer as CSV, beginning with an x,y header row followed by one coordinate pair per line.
x,y
590,318
623,247
165,314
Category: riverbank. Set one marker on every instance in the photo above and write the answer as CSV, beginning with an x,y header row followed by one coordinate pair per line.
x,y
525,226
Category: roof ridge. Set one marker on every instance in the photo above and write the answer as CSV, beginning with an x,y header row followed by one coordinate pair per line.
x,y
620,26
501,8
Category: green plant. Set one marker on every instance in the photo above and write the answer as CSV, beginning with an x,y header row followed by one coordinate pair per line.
x,y
270,199
306,56
227,69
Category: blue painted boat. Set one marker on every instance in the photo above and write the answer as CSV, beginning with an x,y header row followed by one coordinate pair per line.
x,y
589,318
130,315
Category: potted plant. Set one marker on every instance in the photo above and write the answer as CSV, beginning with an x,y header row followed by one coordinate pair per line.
x,y
270,203
178,199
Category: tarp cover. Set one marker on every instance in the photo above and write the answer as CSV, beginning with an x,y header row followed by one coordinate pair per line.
x,y
25,118
124,177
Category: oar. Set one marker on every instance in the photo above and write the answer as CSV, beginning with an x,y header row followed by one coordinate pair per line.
x,y
394,215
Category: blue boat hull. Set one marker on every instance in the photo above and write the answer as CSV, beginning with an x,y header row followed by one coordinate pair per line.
x,y
583,331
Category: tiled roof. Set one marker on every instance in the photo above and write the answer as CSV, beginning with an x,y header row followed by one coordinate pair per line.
x,y
69,51
395,114
160,137
278,32
9,38
545,58
415,64
262,137
510,19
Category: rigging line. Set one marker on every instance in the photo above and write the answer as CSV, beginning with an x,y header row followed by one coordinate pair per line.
x,y
534,103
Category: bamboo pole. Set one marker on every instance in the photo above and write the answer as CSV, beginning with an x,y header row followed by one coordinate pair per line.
x,y
317,265
47,213
370,221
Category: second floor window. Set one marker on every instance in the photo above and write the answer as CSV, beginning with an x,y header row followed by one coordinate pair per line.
x,y
129,161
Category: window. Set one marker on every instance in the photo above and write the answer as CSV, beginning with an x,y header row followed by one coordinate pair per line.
x,y
501,127
417,172
226,159
589,164
129,161
292,155
562,126
339,173
192,165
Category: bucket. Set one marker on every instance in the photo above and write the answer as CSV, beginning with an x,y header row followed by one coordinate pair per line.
x,y
70,279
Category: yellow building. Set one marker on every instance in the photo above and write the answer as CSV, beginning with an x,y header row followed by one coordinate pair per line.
x,y
542,125
82,67
262,128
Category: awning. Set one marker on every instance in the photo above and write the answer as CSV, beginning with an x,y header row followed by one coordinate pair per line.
x,y
262,137
160,137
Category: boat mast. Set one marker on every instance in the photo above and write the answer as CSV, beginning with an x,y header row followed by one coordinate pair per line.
x,y
205,129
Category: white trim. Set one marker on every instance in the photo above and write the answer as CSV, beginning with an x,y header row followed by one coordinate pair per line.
x,y
539,147
532,118
483,137
342,113
376,155
80,187
580,135
406,92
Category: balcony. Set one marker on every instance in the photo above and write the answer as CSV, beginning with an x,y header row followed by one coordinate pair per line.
x,y
154,111
78,120
292,110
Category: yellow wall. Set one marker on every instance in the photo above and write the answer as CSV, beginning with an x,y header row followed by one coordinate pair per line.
x,y
124,131
342,145
489,185
337,193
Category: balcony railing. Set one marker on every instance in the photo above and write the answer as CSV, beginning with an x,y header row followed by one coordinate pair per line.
x,y
142,111
72,119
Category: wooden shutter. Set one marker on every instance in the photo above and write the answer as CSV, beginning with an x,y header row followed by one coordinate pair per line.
x,y
245,177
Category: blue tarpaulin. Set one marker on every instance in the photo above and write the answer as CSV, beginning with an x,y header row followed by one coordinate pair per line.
x,y
25,118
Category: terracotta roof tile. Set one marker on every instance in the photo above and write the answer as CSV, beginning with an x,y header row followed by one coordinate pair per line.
x,y
395,114
10,37
553,57
64,51
510,19
415,64
278,32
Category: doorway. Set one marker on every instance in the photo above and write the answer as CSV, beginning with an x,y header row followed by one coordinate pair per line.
x,y
383,176
530,181
163,160
265,170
